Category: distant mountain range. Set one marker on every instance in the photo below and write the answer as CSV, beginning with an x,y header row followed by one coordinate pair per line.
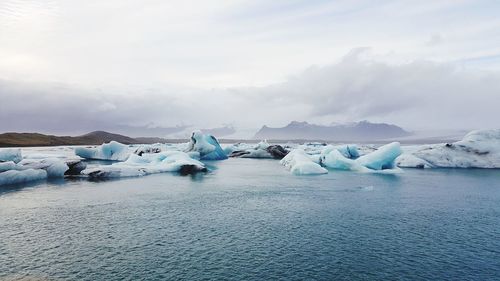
x,y
93,138
363,131
359,131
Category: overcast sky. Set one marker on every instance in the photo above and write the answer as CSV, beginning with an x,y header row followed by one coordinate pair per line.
x,y
71,66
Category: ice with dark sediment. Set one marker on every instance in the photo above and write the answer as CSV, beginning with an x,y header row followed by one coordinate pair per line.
x,y
478,149
148,163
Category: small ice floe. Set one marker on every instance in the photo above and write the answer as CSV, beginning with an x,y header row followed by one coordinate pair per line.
x,y
261,150
10,154
152,148
300,163
135,165
345,158
21,176
365,188
408,160
108,151
27,170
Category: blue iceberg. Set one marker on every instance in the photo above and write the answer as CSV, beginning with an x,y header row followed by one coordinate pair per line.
x,y
207,146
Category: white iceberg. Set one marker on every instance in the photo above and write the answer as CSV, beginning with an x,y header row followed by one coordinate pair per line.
x,y
207,146
408,160
22,176
30,169
478,149
54,167
151,148
6,166
300,163
10,154
108,151
135,165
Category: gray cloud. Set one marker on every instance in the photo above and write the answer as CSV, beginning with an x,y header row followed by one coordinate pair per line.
x,y
419,94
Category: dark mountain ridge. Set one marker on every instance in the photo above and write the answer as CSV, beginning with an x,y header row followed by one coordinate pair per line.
x,y
359,131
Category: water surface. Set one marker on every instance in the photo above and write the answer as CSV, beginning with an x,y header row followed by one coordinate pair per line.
x,y
253,220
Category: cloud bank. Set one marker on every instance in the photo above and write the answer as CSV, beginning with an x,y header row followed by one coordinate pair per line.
x,y
415,95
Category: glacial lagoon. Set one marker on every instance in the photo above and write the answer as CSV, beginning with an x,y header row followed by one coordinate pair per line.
x,y
251,219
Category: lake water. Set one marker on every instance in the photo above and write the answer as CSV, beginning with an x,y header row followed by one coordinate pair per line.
x,y
253,220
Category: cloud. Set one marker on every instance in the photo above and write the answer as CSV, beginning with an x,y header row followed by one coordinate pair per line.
x,y
418,94
227,43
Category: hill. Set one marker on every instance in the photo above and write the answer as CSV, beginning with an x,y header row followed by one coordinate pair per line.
x,y
93,138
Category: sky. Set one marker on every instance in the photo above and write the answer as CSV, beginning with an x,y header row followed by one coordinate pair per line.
x,y
69,67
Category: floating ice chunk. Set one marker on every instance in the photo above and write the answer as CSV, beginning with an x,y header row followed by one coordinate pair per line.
x,y
154,148
348,150
261,150
308,168
76,166
237,147
316,158
407,160
135,165
22,176
341,157
336,160
300,163
43,156
114,171
31,170
478,149
10,154
277,151
107,151
382,158
6,166
207,145
54,167
482,141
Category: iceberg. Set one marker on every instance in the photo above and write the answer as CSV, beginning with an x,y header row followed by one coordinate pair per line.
x,y
108,151
261,150
382,158
408,160
237,147
336,160
6,166
22,176
207,146
135,165
340,158
10,154
54,167
30,169
154,148
478,149
349,151
75,167
299,163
